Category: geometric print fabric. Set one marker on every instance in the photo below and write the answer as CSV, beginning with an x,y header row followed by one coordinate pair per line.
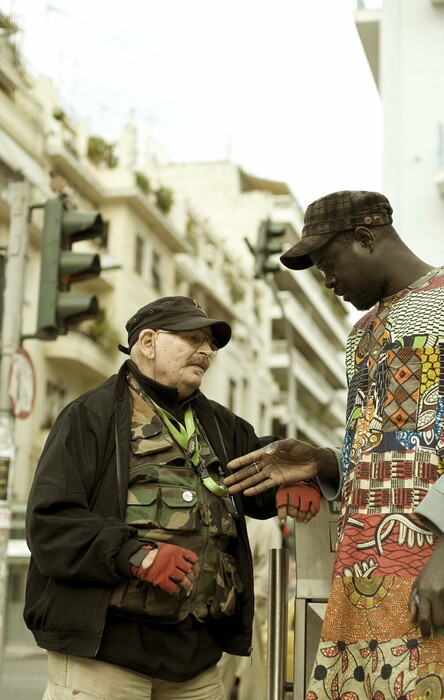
x,y
391,457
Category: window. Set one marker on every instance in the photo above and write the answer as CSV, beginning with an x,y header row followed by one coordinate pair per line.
x,y
231,395
139,255
156,275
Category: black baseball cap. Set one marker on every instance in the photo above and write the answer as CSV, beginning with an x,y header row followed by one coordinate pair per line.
x,y
175,313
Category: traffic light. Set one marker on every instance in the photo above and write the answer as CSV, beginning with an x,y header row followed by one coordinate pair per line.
x,y
59,308
266,247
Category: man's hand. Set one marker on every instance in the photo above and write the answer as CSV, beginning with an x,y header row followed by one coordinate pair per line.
x,y
282,462
299,501
168,566
427,597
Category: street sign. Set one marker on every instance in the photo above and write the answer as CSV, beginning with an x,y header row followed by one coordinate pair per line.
x,y
21,389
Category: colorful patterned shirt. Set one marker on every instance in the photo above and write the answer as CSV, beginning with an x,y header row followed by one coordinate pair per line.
x,y
392,456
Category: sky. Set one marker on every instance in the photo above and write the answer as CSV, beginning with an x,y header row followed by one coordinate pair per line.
x,y
281,88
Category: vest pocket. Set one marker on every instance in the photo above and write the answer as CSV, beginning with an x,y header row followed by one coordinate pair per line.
x,y
218,514
134,597
162,507
227,585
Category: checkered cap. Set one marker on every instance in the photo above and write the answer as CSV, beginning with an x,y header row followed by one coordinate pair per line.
x,y
174,314
330,215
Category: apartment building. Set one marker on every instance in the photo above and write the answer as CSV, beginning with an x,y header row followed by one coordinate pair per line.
x,y
308,324
283,370
145,254
404,45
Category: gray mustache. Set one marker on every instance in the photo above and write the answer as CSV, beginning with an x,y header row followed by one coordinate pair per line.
x,y
202,362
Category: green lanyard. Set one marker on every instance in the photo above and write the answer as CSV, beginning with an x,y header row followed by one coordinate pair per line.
x,y
186,437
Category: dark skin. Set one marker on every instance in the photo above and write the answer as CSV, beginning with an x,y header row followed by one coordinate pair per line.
x,y
370,256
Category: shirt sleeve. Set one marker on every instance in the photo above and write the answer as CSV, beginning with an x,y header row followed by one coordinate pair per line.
x,y
431,509
331,488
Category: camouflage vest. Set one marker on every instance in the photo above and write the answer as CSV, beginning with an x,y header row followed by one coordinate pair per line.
x,y
168,502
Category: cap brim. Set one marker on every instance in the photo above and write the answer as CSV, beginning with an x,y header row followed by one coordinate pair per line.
x,y
298,257
220,330
296,262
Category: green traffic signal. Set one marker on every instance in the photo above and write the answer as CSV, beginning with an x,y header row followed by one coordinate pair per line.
x,y
267,247
59,308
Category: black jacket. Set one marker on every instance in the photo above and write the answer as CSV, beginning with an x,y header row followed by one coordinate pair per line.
x,y
79,542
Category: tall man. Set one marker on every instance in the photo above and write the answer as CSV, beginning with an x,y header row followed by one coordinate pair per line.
x,y
141,573
380,637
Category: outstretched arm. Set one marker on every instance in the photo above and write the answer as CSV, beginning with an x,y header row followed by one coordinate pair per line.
x,y
427,596
282,462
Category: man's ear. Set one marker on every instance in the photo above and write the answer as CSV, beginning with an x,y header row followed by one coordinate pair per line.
x,y
147,341
365,237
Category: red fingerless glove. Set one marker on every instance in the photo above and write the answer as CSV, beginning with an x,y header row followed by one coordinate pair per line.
x,y
304,496
169,568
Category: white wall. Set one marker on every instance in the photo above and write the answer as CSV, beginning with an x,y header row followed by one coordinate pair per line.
x,y
412,87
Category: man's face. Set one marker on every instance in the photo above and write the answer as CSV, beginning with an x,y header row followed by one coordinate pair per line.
x,y
182,358
352,271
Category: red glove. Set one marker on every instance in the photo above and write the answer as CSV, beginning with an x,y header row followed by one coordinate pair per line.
x,y
304,496
169,568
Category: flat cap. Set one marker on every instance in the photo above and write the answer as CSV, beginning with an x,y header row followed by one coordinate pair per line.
x,y
333,214
174,313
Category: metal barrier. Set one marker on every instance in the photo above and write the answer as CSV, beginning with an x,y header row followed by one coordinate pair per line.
x,y
314,555
277,623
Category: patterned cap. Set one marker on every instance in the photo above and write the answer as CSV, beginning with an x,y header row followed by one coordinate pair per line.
x,y
174,314
330,215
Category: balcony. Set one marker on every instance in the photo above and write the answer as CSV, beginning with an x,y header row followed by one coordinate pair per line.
x,y
310,341
73,169
75,353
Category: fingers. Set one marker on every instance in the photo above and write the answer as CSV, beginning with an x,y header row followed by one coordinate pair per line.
x,y
255,489
251,469
420,612
188,580
244,461
301,501
424,617
301,516
413,605
246,478
282,512
146,563
288,510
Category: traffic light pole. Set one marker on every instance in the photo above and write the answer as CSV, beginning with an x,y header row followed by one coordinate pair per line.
x,y
10,340
266,247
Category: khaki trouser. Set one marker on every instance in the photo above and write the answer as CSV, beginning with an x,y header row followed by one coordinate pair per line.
x,y
88,679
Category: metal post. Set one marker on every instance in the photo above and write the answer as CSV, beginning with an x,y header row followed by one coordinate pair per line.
x,y
10,340
277,623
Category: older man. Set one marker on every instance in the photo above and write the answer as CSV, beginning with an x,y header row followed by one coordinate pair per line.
x,y
141,573
382,633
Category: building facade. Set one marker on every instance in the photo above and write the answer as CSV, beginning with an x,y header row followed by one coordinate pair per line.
x,y
308,324
172,229
403,42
